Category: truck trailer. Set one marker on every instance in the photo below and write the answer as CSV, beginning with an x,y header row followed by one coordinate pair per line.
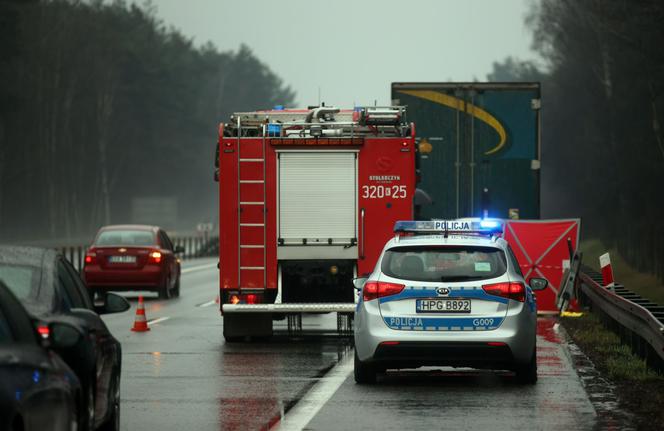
x,y
478,147
307,199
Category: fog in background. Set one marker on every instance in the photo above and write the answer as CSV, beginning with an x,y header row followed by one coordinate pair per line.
x,y
109,111
352,50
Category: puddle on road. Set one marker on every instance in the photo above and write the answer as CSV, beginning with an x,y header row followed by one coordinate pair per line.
x,y
287,368
600,392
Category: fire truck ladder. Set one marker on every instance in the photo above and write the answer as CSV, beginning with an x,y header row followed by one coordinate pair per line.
x,y
247,249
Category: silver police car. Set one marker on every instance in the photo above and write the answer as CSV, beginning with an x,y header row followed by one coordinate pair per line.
x,y
446,293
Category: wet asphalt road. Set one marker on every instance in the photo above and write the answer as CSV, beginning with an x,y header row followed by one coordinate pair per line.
x,y
182,376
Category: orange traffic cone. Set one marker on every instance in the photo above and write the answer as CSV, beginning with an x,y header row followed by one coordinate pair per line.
x,y
140,323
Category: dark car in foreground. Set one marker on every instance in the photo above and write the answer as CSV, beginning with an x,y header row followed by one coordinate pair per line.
x,y
47,285
38,391
133,257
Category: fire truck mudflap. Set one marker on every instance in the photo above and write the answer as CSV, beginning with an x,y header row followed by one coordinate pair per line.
x,y
307,199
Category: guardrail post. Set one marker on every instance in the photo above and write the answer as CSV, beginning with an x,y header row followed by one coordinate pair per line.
x,y
607,270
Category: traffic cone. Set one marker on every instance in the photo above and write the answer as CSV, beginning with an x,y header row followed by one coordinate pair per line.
x,y
140,323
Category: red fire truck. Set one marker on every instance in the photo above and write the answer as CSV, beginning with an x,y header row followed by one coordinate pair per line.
x,y
307,199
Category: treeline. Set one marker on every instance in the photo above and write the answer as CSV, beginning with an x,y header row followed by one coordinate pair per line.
x,y
100,104
603,113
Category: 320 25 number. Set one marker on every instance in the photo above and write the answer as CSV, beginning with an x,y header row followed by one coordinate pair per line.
x,y
380,191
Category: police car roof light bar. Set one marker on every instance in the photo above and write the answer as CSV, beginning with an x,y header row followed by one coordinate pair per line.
x,y
470,226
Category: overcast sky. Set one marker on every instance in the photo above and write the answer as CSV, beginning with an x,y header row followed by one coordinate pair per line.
x,y
351,50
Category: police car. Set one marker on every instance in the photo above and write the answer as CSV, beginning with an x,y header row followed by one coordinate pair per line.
x,y
446,293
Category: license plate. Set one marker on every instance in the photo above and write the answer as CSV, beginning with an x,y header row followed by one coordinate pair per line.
x,y
442,306
122,259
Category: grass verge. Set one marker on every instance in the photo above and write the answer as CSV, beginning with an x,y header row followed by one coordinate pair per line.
x,y
639,389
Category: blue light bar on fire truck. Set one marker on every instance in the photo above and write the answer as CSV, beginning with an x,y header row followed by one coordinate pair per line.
x,y
468,226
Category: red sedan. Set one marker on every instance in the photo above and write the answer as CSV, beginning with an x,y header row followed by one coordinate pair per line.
x,y
133,257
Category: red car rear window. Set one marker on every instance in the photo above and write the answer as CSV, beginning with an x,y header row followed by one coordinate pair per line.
x,y
126,237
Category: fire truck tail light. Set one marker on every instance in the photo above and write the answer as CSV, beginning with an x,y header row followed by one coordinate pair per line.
x,y
379,289
249,298
155,257
515,291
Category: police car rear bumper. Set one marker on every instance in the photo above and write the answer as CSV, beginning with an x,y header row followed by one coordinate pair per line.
x,y
515,335
467,354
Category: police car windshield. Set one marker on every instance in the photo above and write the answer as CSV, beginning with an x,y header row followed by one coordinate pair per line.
x,y
444,263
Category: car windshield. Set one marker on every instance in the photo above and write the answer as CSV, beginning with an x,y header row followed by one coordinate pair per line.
x,y
444,263
23,281
125,237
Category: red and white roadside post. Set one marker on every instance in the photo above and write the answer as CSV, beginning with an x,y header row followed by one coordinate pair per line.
x,y
607,270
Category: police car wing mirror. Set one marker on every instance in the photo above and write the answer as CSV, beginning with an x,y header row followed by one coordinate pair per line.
x,y
359,282
538,283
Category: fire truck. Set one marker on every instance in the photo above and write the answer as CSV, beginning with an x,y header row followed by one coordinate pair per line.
x,y
307,199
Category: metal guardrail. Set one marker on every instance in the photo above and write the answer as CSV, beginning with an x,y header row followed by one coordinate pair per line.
x,y
638,321
194,246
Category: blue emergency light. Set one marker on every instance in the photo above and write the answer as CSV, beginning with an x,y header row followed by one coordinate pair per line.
x,y
273,129
469,226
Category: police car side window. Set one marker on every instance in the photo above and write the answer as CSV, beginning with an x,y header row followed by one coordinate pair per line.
x,y
515,263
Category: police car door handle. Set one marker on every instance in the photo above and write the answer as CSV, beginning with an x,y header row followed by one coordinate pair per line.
x,y
362,238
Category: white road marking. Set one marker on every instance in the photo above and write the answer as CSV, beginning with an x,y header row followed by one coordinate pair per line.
x,y
198,268
305,409
207,304
160,319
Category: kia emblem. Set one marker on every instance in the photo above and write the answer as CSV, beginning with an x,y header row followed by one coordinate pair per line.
x,y
443,291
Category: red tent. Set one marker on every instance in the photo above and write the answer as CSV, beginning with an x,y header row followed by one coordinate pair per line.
x,y
541,248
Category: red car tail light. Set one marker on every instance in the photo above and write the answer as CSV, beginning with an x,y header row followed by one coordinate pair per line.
x,y
155,257
379,289
515,291
90,257
44,331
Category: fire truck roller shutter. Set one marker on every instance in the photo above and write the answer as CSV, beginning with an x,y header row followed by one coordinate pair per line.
x,y
318,199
